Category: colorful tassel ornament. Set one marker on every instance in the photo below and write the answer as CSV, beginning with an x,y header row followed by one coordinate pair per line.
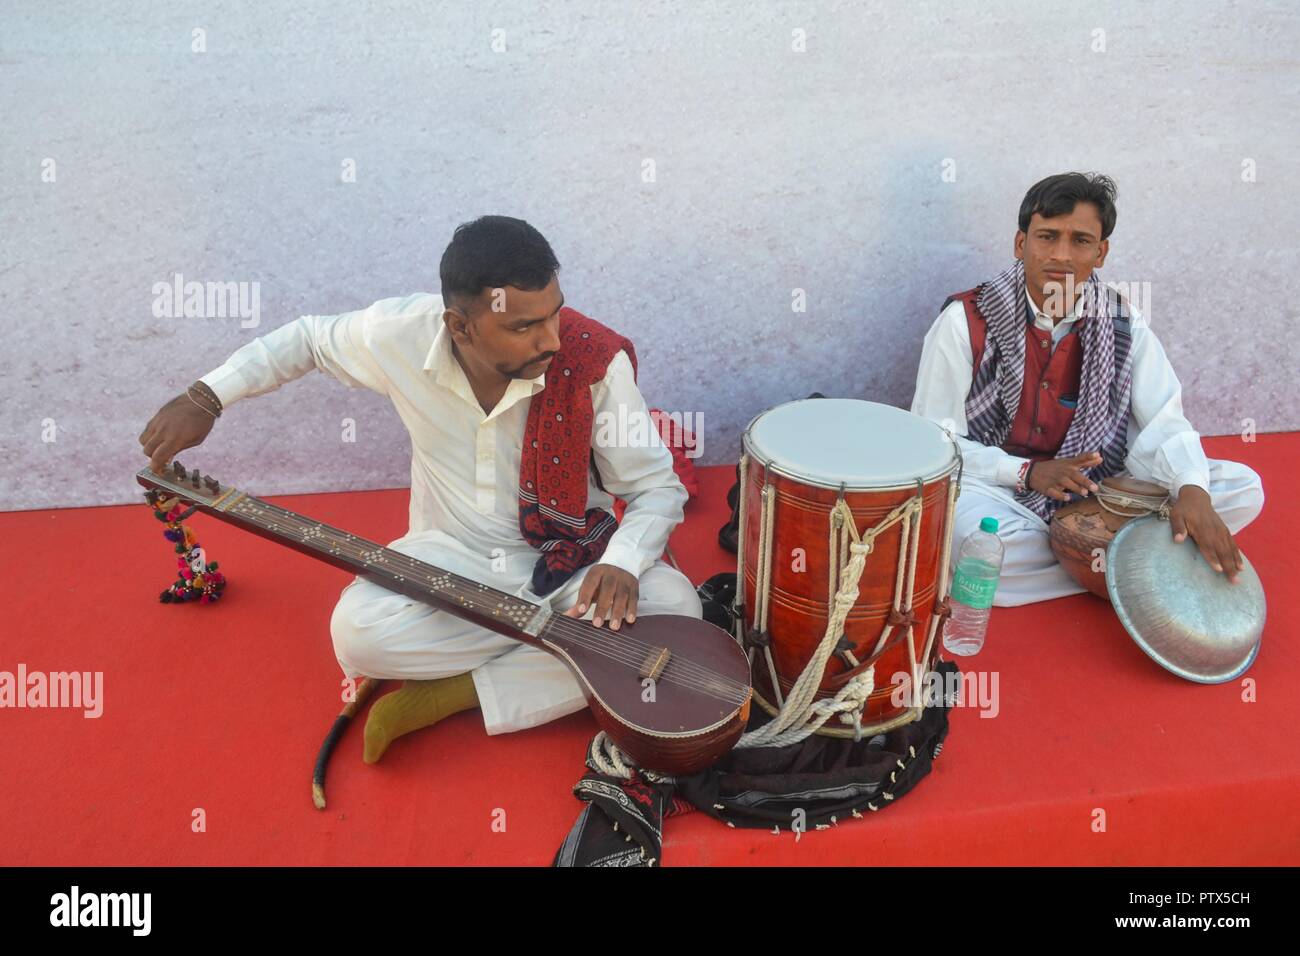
x,y
197,579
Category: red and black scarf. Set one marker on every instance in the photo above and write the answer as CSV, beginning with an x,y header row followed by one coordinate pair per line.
x,y
553,512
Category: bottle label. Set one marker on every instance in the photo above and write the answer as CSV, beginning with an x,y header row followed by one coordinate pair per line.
x,y
973,592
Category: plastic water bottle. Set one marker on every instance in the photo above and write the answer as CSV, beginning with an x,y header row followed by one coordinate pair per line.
x,y
979,562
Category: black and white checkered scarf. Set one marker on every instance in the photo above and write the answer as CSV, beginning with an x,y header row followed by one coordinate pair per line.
x,y
1101,417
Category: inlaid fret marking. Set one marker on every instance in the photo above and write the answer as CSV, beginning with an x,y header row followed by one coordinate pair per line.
x,y
467,593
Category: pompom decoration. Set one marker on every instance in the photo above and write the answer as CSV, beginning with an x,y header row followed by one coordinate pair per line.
x,y
196,579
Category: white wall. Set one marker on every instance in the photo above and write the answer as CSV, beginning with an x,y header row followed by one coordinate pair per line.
x,y
776,170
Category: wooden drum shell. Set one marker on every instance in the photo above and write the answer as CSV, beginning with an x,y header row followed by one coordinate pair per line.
x,y
800,601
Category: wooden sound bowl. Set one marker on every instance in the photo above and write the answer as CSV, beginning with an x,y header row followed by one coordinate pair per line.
x,y
1081,531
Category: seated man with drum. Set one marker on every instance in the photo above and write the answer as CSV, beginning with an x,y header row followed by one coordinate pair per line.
x,y
1050,383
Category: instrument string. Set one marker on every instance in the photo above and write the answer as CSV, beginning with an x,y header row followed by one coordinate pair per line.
x,y
358,548
620,648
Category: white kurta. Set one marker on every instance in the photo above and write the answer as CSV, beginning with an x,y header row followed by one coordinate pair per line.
x,y
464,505
1162,448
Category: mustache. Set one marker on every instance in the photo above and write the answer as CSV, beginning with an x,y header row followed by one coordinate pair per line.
x,y
541,358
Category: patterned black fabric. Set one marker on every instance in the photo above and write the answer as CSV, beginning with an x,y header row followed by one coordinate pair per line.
x,y
823,781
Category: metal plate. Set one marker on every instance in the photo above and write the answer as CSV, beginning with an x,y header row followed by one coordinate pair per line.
x,y
1185,615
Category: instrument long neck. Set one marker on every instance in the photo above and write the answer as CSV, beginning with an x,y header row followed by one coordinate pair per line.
x,y
464,597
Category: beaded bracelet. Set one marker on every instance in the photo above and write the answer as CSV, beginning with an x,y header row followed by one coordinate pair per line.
x,y
201,405
208,396
1022,479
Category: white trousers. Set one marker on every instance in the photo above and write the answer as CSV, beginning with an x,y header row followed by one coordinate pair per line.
x,y
380,633
1030,571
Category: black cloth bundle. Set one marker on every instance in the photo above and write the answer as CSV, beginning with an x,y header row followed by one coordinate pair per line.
x,y
821,781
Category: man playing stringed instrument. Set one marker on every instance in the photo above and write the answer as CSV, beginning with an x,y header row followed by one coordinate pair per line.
x,y
1050,381
506,394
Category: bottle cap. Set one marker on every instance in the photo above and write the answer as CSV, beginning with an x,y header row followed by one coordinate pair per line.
x,y
989,524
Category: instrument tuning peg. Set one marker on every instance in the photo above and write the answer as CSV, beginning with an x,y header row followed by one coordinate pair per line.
x,y
212,484
194,478
178,470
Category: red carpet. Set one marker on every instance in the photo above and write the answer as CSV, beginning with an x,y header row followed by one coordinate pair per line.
x,y
222,709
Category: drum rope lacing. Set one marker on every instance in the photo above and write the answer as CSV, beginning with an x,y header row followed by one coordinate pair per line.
x,y
801,714
763,577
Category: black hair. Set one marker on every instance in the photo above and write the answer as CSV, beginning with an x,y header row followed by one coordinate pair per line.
x,y
1057,196
493,252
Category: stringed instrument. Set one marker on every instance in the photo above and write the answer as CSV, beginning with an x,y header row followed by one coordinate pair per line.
x,y
672,691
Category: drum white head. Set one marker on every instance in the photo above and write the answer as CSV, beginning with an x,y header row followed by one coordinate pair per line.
x,y
834,441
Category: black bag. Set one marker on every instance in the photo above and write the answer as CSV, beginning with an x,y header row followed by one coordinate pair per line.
x,y
717,595
820,782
